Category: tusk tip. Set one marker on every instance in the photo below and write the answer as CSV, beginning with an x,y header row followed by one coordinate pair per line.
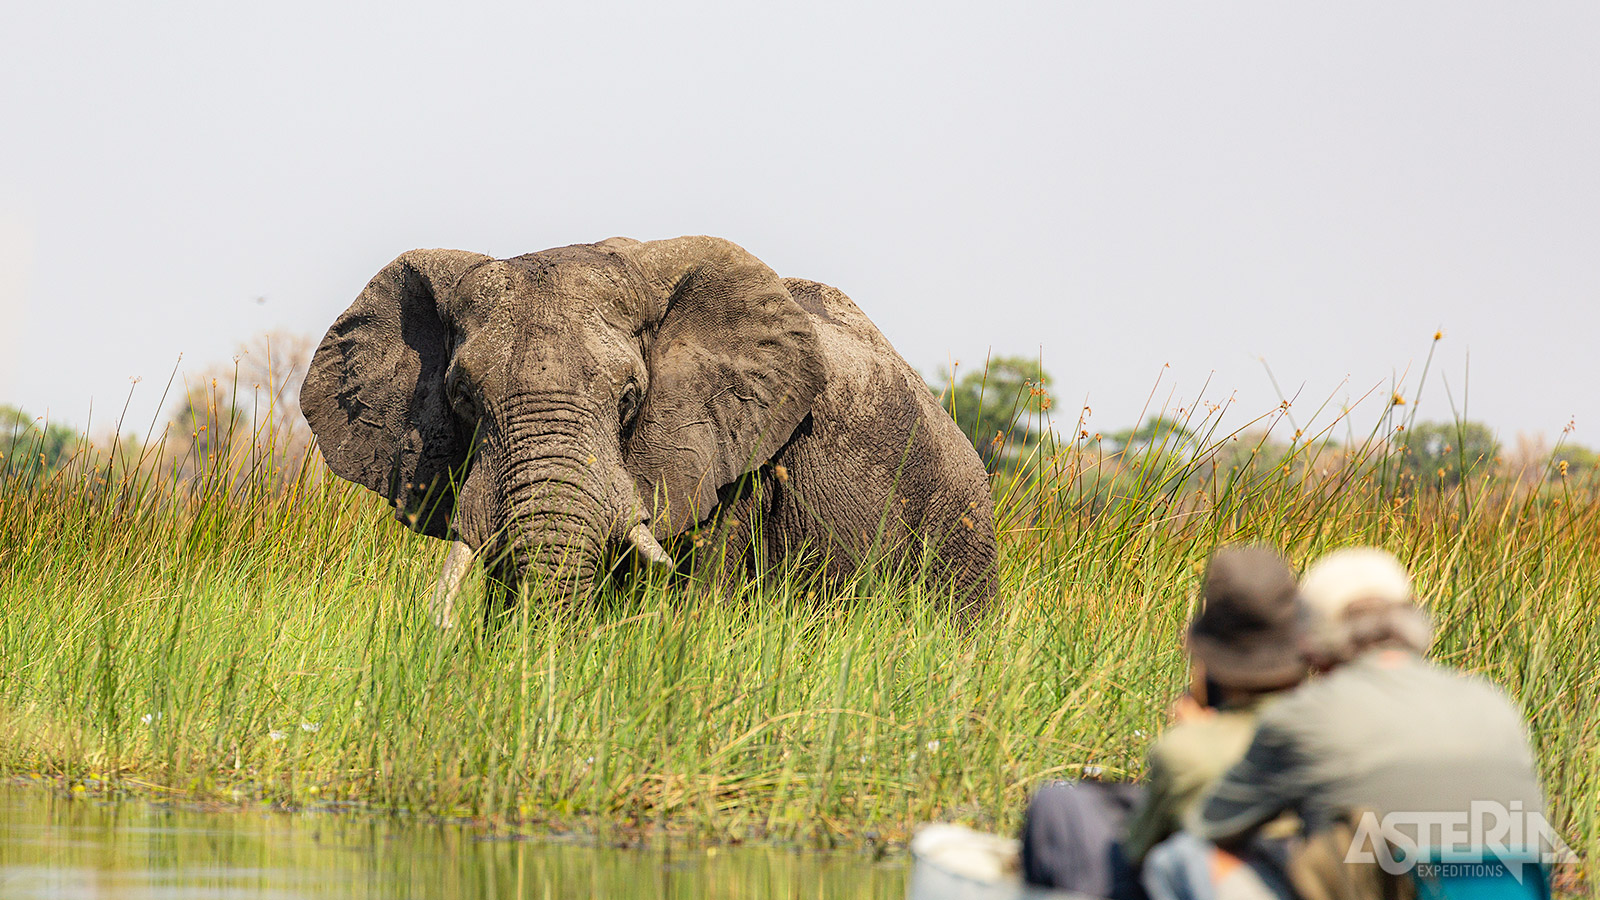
x,y
644,543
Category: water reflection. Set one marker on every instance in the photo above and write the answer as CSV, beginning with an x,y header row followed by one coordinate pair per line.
x,y
60,847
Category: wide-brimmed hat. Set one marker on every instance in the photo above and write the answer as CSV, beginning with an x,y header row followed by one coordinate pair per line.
x,y
1246,632
1364,577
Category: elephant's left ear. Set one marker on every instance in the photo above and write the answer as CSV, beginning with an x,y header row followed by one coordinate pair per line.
x,y
734,368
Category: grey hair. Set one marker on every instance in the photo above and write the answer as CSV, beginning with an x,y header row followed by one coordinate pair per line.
x,y
1360,598
1363,626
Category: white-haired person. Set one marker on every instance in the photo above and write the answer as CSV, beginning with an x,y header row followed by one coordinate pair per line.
x,y
1381,734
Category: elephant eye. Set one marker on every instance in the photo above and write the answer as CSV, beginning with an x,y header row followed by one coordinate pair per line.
x,y
461,399
628,405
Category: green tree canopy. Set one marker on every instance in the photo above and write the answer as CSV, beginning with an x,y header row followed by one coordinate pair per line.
x,y
1447,453
1000,407
1573,461
1160,433
30,445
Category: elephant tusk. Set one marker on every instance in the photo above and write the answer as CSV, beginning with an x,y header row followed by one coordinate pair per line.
x,y
442,608
644,543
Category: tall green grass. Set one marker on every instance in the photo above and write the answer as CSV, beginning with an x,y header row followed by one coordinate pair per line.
x,y
247,633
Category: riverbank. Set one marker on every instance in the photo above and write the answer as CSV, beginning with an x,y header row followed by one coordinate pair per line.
x,y
272,644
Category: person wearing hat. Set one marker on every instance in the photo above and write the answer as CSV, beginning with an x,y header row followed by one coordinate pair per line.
x,y
1381,731
1244,649
1242,645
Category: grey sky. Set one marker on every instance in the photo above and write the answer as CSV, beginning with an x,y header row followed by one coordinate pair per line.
x,y
1119,186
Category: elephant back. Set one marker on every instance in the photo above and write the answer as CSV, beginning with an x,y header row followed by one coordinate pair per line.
x,y
881,438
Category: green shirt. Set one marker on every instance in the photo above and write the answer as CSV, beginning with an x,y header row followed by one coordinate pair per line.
x,y
1182,763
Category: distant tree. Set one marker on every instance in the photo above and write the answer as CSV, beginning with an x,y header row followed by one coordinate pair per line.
x,y
1447,453
1158,433
272,367
1000,408
32,446
206,425
1528,460
1573,461
248,409
1249,457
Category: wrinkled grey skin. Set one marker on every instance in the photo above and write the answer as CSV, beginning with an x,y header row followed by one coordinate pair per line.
x,y
549,410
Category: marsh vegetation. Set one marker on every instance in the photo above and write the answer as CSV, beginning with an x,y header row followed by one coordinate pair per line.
x,y
242,629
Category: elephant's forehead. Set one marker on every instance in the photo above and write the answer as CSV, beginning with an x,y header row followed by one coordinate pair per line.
x,y
569,274
575,310
552,285
575,346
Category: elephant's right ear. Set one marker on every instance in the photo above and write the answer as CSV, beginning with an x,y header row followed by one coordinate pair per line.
x,y
375,392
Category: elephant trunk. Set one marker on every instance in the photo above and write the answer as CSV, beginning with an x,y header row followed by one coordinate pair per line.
x,y
554,528
559,500
565,499
559,535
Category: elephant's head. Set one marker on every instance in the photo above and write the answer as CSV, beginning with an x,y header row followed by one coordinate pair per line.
x,y
547,408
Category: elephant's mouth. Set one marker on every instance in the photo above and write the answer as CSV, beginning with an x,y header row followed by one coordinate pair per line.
x,y
564,570
550,522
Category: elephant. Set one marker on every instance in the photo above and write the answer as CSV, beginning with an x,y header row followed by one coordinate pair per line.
x,y
554,413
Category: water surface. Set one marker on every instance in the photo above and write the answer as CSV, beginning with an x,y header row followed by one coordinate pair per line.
x,y
60,846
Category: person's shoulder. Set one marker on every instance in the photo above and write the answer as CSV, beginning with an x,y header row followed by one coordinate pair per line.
x,y
1425,675
1199,743
1300,703
1470,689
1356,677
1466,680
1385,679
